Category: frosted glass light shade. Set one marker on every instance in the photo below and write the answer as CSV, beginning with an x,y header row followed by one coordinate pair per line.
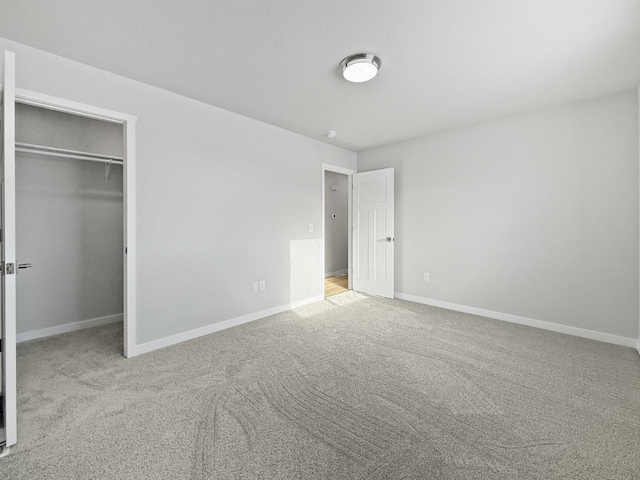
x,y
360,67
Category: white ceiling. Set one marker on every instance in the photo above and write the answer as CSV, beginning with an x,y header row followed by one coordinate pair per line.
x,y
445,63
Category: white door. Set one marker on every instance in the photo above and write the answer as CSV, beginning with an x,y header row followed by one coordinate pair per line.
x,y
8,237
373,232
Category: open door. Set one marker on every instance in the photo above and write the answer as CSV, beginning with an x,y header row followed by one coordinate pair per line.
x,y
8,238
373,232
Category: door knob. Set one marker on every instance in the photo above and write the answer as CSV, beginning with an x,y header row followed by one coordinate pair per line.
x,y
390,239
22,266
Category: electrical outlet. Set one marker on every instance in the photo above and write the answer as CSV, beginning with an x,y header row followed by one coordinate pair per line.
x,y
311,228
426,277
263,285
255,287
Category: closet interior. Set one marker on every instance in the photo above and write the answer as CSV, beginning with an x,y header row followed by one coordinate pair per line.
x,y
69,222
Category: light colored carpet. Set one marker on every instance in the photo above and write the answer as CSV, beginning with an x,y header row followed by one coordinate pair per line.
x,y
348,388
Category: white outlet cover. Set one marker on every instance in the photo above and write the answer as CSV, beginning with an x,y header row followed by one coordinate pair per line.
x,y
255,287
426,277
311,228
263,285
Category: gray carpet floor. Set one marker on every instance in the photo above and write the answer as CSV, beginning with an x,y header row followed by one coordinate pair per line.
x,y
349,388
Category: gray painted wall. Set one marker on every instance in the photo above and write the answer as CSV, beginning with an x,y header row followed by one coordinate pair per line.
x,y
222,200
535,215
336,234
69,222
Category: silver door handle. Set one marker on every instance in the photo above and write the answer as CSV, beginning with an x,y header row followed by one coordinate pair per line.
x,y
390,239
24,265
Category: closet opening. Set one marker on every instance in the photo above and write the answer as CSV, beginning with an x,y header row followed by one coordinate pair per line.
x,y
69,222
75,190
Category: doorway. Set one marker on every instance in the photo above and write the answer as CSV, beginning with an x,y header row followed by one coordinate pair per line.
x,y
117,169
336,231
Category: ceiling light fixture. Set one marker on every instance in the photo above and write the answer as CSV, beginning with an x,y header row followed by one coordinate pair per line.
x,y
330,133
360,67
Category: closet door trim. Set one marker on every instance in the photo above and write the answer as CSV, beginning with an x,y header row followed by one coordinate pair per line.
x,y
128,122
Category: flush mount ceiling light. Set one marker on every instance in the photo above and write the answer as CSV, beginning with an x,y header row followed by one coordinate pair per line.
x,y
360,67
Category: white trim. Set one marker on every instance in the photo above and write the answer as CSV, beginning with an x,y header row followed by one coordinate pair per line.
x,y
216,327
42,100
334,168
326,167
638,346
530,322
130,275
69,327
336,273
302,303
129,192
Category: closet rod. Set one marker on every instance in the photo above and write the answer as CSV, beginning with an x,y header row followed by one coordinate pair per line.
x,y
63,155
66,150
60,152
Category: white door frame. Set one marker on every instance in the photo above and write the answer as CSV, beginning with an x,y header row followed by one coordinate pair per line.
x,y
128,122
349,173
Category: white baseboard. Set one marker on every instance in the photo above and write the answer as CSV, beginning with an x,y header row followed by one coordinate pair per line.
x,y
302,303
336,273
530,322
638,346
216,327
69,327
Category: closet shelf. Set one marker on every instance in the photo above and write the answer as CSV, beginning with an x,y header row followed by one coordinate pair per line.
x,y
65,153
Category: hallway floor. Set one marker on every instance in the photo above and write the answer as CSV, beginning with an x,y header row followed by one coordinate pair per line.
x,y
335,285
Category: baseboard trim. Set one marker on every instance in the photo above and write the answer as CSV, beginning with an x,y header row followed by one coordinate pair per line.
x,y
638,346
302,303
216,327
529,322
69,327
336,273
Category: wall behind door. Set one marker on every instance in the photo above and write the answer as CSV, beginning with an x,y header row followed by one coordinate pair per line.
x,y
69,222
336,229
